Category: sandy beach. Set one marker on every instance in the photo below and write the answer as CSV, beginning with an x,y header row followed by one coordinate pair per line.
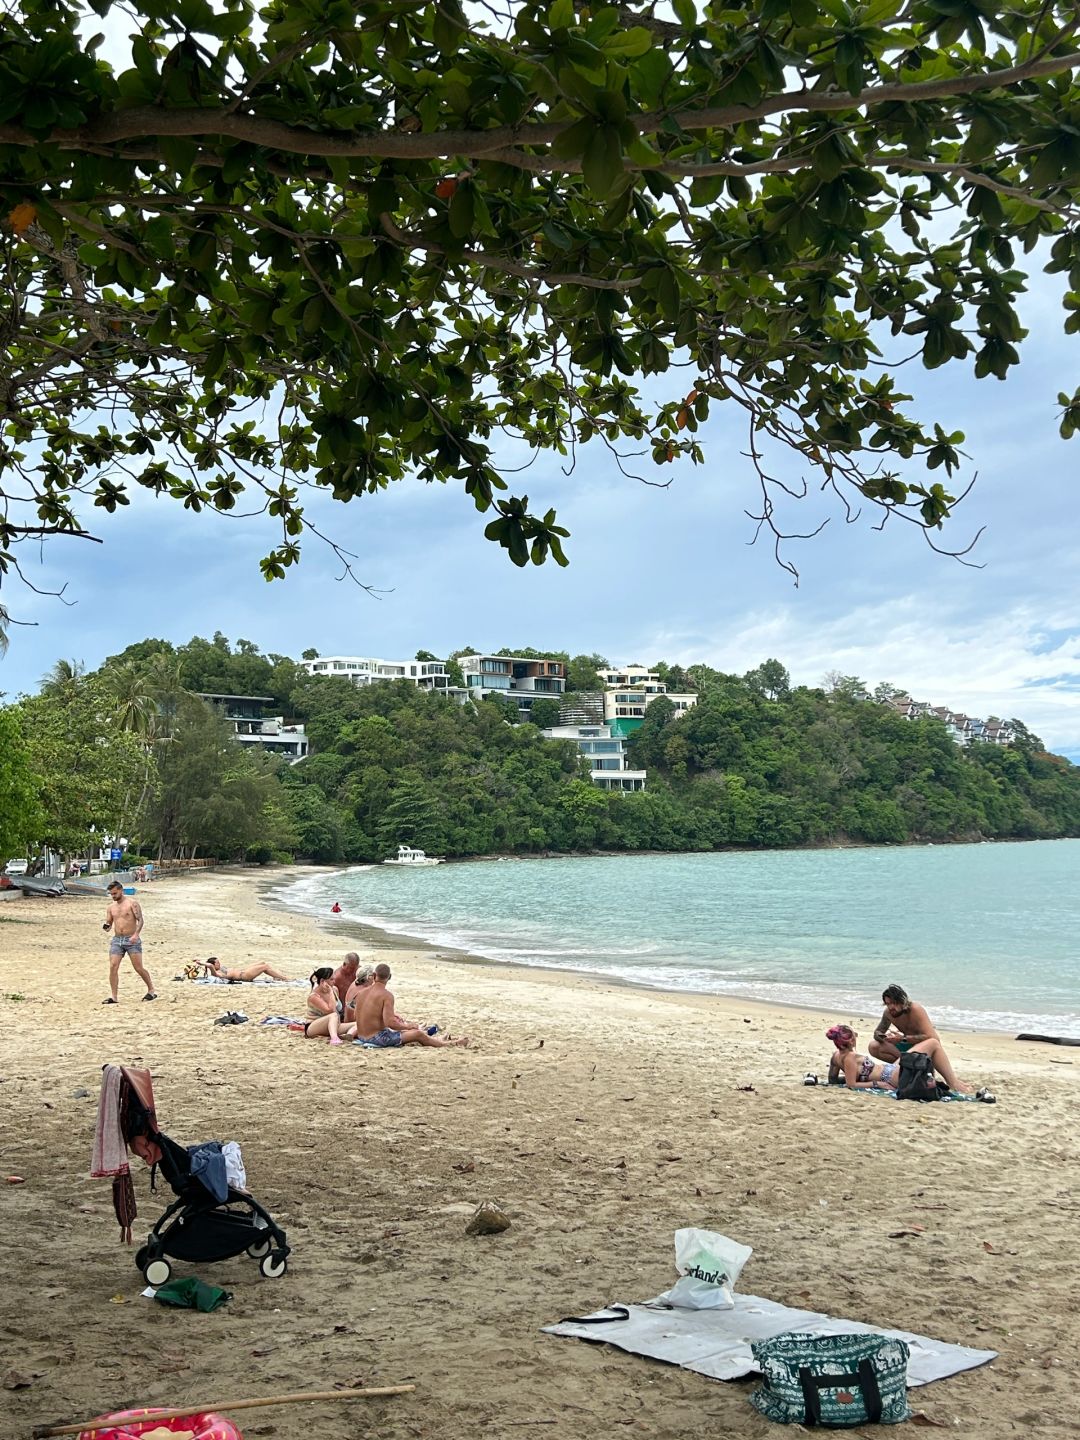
x,y
601,1117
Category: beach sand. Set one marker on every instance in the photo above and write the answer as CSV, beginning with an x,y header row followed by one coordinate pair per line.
x,y
601,1117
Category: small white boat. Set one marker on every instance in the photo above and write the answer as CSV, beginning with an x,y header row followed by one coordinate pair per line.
x,y
406,855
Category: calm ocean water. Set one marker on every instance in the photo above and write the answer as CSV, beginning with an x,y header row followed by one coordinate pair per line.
x,y
985,935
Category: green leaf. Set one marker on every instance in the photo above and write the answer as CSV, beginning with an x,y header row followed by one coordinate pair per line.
x,y
462,210
313,315
571,144
602,163
628,43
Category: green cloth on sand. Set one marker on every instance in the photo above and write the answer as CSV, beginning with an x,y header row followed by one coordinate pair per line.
x,y
191,1294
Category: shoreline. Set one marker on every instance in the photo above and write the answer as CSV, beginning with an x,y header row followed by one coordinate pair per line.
x,y
380,938
601,1117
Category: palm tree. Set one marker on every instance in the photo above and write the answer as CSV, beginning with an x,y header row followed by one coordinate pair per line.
x,y
63,677
162,679
134,704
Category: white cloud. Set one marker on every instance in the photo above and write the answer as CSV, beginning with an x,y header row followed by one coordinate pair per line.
x,y
1010,663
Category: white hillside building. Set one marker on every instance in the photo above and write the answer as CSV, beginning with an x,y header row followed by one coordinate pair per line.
x,y
605,752
361,670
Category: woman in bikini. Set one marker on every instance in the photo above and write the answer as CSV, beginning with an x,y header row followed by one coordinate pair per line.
x,y
322,1009
863,1072
213,966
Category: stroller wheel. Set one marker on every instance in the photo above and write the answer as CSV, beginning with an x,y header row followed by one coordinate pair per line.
x,y
157,1272
259,1249
273,1266
141,1257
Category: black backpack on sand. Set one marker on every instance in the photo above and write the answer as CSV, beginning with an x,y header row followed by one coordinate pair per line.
x,y
916,1080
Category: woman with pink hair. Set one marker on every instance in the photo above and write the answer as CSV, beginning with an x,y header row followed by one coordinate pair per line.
x,y
863,1072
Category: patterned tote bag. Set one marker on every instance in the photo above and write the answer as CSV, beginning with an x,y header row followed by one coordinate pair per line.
x,y
832,1380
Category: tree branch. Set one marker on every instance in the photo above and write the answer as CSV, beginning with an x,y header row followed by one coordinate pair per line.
x,y
502,263
143,121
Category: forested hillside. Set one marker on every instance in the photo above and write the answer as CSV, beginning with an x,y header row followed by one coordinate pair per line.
x,y
754,763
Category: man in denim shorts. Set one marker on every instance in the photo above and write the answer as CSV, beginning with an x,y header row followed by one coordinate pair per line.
x,y
378,1025
124,918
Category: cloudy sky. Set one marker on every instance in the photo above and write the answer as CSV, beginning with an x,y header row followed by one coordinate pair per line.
x,y
654,574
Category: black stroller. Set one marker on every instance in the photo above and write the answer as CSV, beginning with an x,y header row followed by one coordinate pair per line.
x,y
198,1227
206,1221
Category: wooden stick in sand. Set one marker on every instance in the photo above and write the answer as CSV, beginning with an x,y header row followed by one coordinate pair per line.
x,y
371,1392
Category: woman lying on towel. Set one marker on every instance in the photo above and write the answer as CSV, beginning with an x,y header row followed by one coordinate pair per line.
x,y
322,1009
863,1072
213,966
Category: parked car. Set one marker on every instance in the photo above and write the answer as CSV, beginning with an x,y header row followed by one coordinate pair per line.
x,y
17,867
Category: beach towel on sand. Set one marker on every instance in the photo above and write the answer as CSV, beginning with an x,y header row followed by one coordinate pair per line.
x,y
262,980
717,1343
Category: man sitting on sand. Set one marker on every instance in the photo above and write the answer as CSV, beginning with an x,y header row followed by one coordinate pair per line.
x,y
362,980
904,1025
344,975
377,1024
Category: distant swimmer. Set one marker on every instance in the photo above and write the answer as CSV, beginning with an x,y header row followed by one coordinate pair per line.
x,y
335,908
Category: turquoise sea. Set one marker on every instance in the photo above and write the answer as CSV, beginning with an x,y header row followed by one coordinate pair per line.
x,y
987,936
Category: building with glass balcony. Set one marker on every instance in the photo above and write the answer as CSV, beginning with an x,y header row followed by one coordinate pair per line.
x,y
514,677
363,670
605,752
246,714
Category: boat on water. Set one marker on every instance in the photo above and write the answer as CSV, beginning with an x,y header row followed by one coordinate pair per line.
x,y
407,855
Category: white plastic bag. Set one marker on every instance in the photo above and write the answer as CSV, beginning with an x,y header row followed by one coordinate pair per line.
x,y
709,1265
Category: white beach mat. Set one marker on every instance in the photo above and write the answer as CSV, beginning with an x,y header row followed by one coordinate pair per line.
x,y
717,1342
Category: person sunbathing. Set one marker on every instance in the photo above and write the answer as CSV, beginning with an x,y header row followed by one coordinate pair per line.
x,y
863,1072
213,966
322,1009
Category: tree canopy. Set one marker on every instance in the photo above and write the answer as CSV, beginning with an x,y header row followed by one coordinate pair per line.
x,y
253,250
129,750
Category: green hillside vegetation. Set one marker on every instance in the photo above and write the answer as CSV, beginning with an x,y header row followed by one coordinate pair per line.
x,y
754,763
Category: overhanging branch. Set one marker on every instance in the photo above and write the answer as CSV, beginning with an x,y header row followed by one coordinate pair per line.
x,y
144,121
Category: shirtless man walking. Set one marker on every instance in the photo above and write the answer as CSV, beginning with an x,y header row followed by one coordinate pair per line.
x,y
377,1023
124,918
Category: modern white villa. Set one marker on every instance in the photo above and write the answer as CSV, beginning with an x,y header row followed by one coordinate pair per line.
x,y
252,726
605,752
361,670
629,690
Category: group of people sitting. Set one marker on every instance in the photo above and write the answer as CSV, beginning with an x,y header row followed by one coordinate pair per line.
x,y
904,1027
351,1003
